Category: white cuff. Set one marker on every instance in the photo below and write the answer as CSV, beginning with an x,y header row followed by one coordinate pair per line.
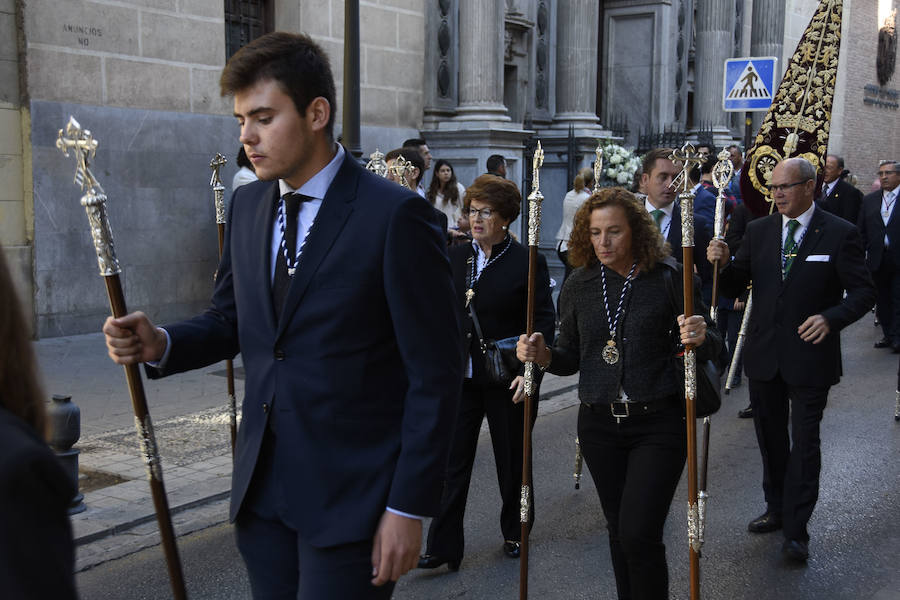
x,y
161,363
403,514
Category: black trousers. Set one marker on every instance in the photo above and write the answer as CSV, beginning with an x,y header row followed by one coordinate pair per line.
x,y
887,288
281,564
635,465
506,422
791,464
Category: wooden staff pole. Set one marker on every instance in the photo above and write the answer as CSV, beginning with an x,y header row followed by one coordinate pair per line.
x,y
688,157
534,233
219,198
84,147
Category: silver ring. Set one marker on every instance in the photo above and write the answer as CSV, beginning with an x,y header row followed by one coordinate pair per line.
x,y
691,334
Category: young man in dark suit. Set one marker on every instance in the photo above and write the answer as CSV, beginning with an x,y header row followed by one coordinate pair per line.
x,y
879,225
658,172
792,353
335,287
839,197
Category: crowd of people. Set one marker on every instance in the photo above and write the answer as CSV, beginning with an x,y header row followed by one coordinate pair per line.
x,y
369,321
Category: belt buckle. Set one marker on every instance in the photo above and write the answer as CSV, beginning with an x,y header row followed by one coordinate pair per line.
x,y
612,410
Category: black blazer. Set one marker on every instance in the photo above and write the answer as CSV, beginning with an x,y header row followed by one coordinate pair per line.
x,y
501,298
812,287
873,229
360,376
37,555
844,201
646,337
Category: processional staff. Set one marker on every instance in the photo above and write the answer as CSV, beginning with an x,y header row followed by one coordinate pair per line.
x,y
722,173
598,171
688,157
534,234
218,188
84,147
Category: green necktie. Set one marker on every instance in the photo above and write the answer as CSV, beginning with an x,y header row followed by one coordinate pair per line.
x,y
790,246
658,215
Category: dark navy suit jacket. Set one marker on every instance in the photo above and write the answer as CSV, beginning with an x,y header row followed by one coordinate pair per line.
x,y
829,261
360,377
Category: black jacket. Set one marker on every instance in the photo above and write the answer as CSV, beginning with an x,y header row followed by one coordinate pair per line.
x,y
844,201
501,298
646,337
37,555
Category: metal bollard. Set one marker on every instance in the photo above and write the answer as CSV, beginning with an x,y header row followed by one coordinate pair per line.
x,y
64,419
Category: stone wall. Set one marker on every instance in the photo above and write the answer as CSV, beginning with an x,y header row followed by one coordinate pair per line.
x,y
871,132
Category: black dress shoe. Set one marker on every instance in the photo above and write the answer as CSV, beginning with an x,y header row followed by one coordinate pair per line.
x,y
746,413
795,550
883,343
430,561
765,523
512,549
895,348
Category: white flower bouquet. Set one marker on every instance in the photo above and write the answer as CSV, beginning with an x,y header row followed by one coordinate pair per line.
x,y
620,165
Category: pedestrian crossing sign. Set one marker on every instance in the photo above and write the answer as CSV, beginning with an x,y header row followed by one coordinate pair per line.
x,y
749,83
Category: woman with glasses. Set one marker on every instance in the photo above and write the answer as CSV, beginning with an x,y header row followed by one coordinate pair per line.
x,y
490,277
618,329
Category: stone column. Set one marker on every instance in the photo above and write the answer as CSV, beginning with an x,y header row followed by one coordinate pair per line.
x,y
714,43
481,36
767,39
576,60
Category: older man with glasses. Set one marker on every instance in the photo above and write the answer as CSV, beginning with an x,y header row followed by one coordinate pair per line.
x,y
800,261
881,237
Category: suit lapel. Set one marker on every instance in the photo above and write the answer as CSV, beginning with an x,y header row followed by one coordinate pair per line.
x,y
332,215
811,238
261,257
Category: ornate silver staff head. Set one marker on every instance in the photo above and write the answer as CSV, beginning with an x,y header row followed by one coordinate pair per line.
x,y
688,157
376,163
218,187
398,170
598,166
722,173
535,197
84,147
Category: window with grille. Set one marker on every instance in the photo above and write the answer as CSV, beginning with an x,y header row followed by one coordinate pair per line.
x,y
245,20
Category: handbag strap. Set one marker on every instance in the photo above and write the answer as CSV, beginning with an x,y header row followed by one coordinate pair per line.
x,y
472,310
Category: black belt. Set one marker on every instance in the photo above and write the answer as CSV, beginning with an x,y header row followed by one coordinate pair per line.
x,y
622,410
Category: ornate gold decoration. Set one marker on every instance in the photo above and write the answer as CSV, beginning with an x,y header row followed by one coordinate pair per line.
x,y
598,166
693,527
799,120
218,187
398,171
83,145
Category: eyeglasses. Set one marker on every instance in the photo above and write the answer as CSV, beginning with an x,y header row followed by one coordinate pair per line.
x,y
486,213
783,187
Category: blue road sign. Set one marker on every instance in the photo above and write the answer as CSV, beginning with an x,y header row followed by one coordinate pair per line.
x,y
749,83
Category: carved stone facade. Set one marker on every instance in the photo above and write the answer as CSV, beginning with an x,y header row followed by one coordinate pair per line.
x,y
473,77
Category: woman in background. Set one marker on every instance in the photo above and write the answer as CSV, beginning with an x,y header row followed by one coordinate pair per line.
x,y
447,195
37,555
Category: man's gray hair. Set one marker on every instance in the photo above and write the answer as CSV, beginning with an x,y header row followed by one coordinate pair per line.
x,y
804,168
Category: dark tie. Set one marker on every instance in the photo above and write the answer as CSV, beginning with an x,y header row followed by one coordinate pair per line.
x,y
790,246
282,280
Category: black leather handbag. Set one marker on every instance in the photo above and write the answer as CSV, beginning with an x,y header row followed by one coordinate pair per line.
x,y
500,362
708,399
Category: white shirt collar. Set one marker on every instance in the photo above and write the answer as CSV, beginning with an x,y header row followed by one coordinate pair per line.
x,y
829,187
318,184
803,219
666,209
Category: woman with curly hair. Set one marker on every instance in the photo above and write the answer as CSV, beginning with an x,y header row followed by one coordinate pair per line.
x,y
617,327
37,555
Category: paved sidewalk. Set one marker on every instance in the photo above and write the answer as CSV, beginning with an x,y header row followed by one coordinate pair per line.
x,y
191,425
